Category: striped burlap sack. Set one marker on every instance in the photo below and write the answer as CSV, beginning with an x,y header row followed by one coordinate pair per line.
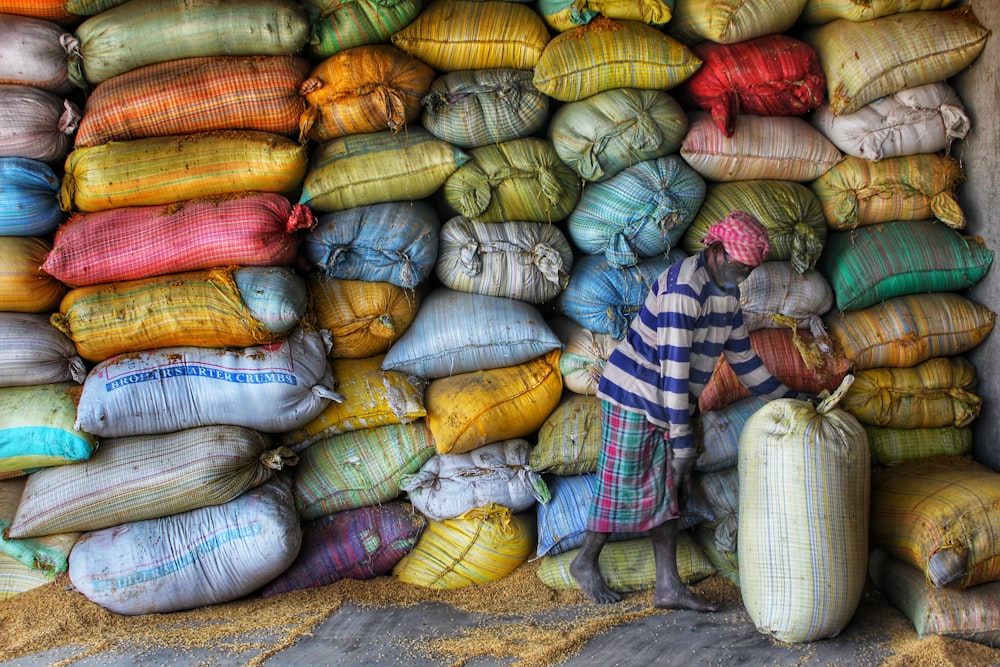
x,y
24,286
50,10
35,352
775,295
197,95
731,21
145,477
364,89
17,578
34,53
892,446
584,355
337,26
720,433
569,440
565,15
29,198
36,124
48,553
721,492
818,12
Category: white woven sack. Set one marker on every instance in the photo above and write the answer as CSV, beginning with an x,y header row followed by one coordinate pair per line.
x,y
35,352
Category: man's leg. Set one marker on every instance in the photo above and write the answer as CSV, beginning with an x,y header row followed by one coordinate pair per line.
x,y
671,593
587,573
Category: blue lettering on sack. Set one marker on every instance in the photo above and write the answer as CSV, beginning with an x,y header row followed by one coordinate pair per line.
x,y
197,370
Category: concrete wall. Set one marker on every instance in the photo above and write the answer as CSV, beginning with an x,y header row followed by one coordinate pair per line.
x,y
979,153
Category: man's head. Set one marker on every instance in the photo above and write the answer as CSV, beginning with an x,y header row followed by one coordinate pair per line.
x,y
736,244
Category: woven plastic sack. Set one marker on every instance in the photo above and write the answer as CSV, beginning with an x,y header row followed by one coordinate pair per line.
x,y
470,108
37,428
569,440
449,485
17,578
460,332
866,60
24,286
372,397
584,355
936,393
210,555
147,477
775,295
818,12
876,262
273,388
892,446
193,95
48,553
720,433
29,198
721,492
131,35
628,566
51,10
483,545
565,15
363,317
803,565
858,192
906,330
726,563
971,614
337,26
34,53
528,261
377,167
451,35
791,213
913,121
394,242
36,124
135,242
469,410
363,89
79,8
359,468
643,211
224,307
35,352
521,179
790,356
165,170
604,299
361,543
939,516
732,21
607,53
773,75
783,148
614,129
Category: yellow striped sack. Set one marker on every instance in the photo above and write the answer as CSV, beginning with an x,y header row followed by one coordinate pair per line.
x,y
867,60
453,35
364,89
364,317
569,440
932,394
906,330
606,54
372,397
731,21
804,479
197,308
50,10
860,191
628,565
165,170
17,578
38,427
563,16
469,410
939,515
482,545
48,553
818,12
24,287
585,354
892,446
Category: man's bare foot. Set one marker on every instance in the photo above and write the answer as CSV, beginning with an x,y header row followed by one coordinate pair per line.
x,y
588,578
679,597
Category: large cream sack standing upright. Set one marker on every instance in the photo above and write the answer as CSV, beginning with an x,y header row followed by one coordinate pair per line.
x,y
804,475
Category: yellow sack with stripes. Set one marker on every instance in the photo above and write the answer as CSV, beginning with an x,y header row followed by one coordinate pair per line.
x,y
372,397
932,394
164,170
818,12
731,21
365,317
469,410
24,287
17,578
480,546
569,441
892,446
804,479
940,516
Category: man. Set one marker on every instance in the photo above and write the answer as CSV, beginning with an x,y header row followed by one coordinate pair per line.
x,y
649,391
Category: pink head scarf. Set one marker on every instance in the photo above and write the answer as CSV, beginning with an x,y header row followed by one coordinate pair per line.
x,y
743,237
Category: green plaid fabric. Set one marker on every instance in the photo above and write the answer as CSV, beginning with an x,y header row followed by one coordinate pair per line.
x,y
338,25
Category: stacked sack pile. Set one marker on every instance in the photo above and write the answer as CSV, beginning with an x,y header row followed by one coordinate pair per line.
x,y
344,278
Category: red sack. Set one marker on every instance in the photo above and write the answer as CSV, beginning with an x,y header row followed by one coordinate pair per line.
x,y
774,75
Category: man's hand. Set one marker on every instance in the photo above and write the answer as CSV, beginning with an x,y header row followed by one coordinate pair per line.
x,y
682,468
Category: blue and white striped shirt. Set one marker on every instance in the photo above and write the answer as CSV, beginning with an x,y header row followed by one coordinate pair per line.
x,y
671,348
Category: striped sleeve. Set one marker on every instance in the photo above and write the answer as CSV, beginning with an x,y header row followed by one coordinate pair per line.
x,y
749,367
